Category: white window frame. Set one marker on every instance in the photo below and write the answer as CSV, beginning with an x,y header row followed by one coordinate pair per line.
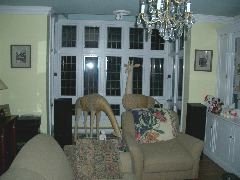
x,y
102,52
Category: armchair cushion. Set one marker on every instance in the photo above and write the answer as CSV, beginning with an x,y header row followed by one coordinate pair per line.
x,y
154,125
166,156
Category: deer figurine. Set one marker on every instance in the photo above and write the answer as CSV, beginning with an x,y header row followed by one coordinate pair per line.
x,y
129,70
94,103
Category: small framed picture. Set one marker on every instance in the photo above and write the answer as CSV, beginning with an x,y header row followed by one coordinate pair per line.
x,y
203,60
20,56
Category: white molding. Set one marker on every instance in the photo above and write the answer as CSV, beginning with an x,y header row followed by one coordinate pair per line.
x,y
200,18
237,20
44,10
231,28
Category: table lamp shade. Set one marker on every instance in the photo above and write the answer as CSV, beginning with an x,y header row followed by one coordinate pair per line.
x,y
2,85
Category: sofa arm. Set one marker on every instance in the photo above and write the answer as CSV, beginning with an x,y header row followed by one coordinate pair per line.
x,y
129,137
136,155
193,145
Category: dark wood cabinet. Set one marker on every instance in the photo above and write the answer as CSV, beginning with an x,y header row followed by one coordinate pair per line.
x,y
63,121
7,142
26,128
196,120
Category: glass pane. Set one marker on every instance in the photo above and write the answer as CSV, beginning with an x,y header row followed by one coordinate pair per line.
x,y
68,75
90,75
136,38
137,75
116,109
91,37
236,77
173,75
69,36
181,43
157,42
114,37
113,76
180,80
156,77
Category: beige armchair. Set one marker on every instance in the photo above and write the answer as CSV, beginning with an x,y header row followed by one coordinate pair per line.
x,y
177,158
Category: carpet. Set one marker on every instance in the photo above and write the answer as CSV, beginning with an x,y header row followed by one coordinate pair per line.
x,y
93,159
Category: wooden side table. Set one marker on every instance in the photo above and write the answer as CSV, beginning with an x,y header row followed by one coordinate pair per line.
x,y
7,142
26,128
63,121
196,120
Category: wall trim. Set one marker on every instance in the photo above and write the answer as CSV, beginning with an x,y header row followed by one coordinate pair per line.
x,y
200,18
44,10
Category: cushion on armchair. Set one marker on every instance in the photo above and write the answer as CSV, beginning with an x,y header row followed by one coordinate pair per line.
x,y
154,125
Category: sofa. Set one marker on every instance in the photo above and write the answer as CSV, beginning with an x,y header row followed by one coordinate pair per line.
x,y
41,158
177,158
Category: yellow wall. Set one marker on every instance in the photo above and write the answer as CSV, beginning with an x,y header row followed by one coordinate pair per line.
x,y
26,93
201,83
27,86
197,84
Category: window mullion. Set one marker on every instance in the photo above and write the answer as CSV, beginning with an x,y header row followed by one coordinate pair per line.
x,y
146,75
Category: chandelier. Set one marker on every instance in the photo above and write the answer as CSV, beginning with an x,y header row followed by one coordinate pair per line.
x,y
170,17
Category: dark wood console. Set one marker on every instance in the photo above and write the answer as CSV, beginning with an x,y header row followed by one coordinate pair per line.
x,y
7,142
196,120
63,121
26,127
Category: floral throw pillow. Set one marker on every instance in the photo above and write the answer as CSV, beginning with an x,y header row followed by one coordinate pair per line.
x,y
154,125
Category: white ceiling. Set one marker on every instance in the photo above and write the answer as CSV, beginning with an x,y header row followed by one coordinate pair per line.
x,y
228,8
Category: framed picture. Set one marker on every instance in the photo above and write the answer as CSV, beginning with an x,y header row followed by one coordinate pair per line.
x,y
20,56
203,60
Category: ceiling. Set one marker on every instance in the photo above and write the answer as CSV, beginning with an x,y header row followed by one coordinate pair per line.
x,y
229,8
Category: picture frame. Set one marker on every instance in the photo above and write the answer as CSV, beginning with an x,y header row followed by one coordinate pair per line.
x,y
203,60
20,56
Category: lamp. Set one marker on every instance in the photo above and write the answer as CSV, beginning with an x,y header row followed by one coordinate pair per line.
x,y
2,85
120,13
170,17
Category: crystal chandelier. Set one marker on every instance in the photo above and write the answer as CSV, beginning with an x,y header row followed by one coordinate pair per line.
x,y
170,17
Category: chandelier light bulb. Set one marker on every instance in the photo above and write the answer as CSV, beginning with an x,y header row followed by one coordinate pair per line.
x,y
188,6
120,13
143,7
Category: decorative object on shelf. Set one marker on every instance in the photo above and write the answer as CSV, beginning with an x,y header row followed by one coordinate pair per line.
x,y
6,109
102,136
4,112
170,17
230,111
2,115
213,104
20,56
2,85
203,60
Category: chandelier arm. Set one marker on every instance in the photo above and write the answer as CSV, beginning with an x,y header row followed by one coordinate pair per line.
x,y
143,17
178,1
